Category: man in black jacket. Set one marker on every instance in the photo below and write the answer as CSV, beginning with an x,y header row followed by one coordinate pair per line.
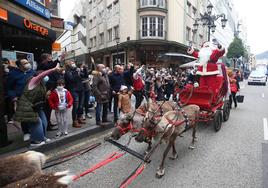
x,y
128,73
73,82
116,79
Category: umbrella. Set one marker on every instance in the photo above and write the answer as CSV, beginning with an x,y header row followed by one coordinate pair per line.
x,y
189,65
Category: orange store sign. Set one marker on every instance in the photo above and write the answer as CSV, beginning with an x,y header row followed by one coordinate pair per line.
x,y
35,27
3,14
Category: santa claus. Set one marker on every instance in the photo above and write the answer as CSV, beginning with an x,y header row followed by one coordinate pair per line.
x,y
208,56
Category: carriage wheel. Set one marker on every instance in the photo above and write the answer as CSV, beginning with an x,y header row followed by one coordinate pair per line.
x,y
217,120
226,111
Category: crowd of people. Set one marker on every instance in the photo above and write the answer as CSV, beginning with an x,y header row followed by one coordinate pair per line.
x,y
61,86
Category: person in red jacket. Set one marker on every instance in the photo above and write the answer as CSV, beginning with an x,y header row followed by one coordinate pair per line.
x,y
60,100
234,88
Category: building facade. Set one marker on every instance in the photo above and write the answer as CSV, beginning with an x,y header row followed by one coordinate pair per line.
x,y
225,35
121,31
27,29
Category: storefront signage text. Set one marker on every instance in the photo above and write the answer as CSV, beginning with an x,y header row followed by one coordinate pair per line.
x,y
35,7
32,26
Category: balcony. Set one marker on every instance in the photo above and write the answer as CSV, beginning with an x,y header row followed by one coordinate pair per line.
x,y
153,34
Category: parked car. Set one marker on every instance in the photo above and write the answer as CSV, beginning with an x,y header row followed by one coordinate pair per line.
x,y
257,77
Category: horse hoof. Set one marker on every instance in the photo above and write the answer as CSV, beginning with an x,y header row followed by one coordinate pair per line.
x,y
173,157
160,173
191,147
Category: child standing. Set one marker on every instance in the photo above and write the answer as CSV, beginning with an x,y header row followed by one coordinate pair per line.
x,y
60,100
124,100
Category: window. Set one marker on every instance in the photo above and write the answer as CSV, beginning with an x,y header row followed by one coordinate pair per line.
x,y
110,35
161,3
161,27
109,10
201,40
116,32
91,42
188,8
101,38
152,26
152,2
90,23
194,13
144,26
144,2
94,41
116,7
194,37
90,5
155,3
94,22
188,33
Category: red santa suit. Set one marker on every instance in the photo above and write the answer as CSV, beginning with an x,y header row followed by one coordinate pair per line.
x,y
207,69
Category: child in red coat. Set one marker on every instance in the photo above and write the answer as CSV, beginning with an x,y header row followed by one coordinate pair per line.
x,y
60,100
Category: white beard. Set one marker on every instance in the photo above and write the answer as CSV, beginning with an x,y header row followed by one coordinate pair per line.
x,y
204,55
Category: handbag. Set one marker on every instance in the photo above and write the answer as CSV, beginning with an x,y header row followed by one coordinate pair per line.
x,y
240,98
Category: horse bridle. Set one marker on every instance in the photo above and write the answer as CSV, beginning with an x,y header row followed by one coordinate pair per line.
x,y
126,129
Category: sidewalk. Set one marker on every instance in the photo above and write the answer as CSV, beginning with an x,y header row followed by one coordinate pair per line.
x,y
18,145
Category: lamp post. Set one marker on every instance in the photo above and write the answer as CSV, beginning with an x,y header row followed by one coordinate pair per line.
x,y
73,52
207,19
117,42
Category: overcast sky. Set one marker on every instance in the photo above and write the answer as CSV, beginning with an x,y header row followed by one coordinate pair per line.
x,y
254,15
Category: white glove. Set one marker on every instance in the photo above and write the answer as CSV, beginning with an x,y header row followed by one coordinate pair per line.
x,y
196,84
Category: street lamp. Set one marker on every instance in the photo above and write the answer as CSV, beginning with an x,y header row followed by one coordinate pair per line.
x,y
73,52
207,19
117,39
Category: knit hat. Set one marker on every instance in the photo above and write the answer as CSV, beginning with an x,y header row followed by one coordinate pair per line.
x,y
123,87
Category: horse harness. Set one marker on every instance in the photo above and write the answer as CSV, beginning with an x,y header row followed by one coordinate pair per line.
x,y
186,119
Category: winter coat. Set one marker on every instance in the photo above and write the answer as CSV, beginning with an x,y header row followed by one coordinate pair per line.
x,y
128,76
159,91
233,85
30,102
16,81
73,80
53,78
53,99
101,87
169,87
124,103
116,80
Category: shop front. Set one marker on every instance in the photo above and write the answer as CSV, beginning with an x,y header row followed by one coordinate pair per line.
x,y
23,38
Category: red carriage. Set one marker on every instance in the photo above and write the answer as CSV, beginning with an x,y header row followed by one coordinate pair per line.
x,y
212,100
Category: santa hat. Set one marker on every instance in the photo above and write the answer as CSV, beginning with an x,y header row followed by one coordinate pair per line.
x,y
123,88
